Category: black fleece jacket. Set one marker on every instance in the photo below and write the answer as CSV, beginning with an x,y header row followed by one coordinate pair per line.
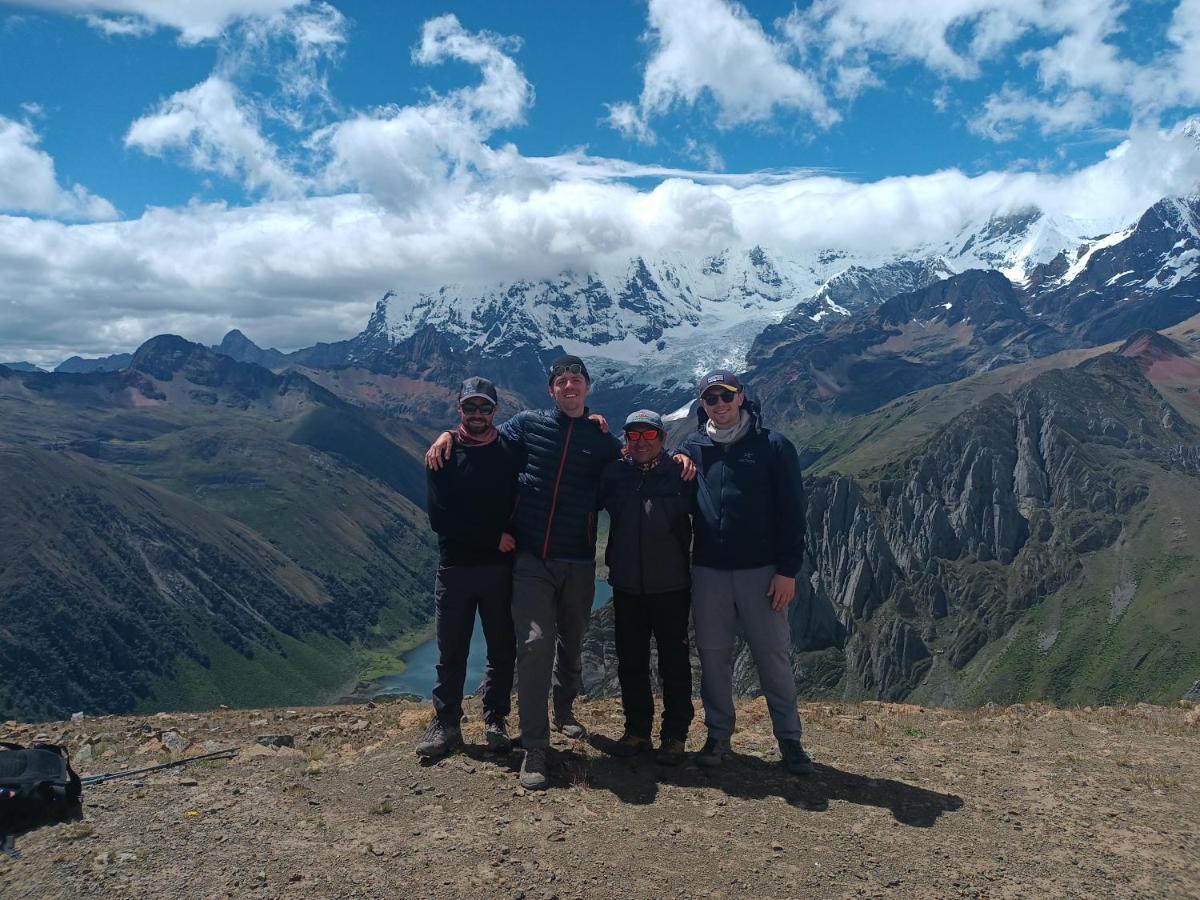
x,y
650,534
470,500
749,499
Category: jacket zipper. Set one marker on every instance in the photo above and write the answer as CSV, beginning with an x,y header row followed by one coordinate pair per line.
x,y
557,481
641,548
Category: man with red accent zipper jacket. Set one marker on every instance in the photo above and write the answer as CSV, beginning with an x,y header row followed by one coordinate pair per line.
x,y
554,573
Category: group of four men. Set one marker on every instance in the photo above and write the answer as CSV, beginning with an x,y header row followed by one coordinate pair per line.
x,y
515,512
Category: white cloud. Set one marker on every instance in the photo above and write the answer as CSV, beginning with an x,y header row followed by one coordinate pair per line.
x,y
29,183
121,26
218,125
630,122
292,272
434,196
215,133
403,156
1005,111
1074,55
703,154
195,20
716,50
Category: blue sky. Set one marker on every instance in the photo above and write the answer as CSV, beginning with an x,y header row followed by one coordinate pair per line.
x,y
278,164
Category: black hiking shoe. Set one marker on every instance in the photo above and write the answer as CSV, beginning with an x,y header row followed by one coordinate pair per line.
x,y
496,735
714,752
797,761
533,770
569,726
439,739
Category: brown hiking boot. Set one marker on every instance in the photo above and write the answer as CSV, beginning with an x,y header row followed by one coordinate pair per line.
x,y
670,752
630,745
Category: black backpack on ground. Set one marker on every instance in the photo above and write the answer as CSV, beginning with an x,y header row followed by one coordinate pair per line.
x,y
37,787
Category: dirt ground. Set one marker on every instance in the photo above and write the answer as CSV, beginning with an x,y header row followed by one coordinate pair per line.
x,y
906,802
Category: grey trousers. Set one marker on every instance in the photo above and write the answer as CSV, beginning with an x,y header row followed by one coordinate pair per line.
x,y
551,605
721,600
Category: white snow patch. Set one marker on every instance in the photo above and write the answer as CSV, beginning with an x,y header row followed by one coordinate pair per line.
x,y
681,413
1118,277
1081,263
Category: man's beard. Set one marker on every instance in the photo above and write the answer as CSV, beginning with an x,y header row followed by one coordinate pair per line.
x,y
477,426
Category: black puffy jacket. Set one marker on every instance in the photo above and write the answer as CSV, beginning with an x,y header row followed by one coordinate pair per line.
x,y
559,482
650,538
749,499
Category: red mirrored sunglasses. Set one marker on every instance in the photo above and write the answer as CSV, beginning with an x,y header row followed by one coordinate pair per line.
x,y
645,434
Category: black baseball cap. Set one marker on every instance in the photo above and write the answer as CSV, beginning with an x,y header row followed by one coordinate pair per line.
x,y
568,363
718,378
477,387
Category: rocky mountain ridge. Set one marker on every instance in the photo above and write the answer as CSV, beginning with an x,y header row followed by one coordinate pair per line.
x,y
195,530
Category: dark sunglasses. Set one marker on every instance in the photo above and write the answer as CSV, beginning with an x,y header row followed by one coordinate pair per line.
x,y
486,408
711,398
573,368
646,434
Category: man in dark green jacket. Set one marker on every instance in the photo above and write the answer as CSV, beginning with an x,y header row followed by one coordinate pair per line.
x,y
648,557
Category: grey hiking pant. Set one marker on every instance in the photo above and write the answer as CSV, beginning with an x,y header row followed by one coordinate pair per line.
x,y
551,605
722,599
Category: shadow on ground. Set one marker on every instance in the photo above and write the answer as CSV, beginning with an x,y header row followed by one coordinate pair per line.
x,y
750,778
15,825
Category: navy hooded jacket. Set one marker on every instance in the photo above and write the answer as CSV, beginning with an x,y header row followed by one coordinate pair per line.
x,y
749,500
559,482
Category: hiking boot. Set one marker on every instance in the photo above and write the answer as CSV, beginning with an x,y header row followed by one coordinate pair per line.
x,y
795,759
566,723
670,752
533,769
496,735
439,739
714,752
630,745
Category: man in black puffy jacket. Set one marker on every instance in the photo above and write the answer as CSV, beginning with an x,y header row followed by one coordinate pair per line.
x,y
554,573
749,545
649,556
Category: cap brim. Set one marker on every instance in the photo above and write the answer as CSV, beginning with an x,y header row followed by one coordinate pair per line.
x,y
486,397
719,384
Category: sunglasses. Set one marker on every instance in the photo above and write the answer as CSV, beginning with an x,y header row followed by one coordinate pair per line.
x,y
711,398
485,408
573,368
645,434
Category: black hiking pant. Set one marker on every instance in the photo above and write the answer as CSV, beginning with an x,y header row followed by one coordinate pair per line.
x,y
458,592
665,618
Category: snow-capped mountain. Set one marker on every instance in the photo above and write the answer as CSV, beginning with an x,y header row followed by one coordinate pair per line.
x,y
657,321
647,325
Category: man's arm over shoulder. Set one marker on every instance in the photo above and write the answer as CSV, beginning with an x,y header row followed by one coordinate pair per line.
x,y
689,446
513,430
610,445
789,506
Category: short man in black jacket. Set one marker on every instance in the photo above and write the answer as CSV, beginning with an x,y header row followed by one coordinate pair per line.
x,y
749,545
648,557
469,501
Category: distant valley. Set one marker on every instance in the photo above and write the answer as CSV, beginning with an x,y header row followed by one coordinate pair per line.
x,y
1002,435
